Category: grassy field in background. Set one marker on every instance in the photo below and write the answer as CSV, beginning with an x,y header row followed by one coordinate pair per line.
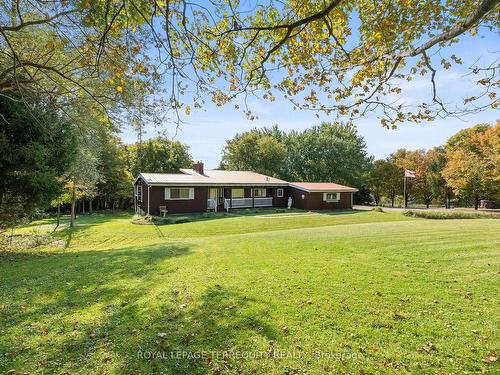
x,y
289,293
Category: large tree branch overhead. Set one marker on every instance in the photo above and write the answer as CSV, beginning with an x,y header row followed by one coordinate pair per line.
x,y
36,22
461,27
376,61
343,57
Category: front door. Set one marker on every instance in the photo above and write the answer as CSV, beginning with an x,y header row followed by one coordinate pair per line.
x,y
217,194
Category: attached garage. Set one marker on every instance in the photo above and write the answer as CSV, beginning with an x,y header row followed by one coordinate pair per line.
x,y
321,195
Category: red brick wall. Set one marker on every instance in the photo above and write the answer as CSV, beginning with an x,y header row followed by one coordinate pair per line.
x,y
297,201
198,204
314,201
277,201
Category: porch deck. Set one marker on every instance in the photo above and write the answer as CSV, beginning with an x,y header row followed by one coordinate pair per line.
x,y
240,203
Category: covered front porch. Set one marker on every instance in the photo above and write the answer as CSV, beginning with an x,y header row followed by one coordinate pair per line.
x,y
225,198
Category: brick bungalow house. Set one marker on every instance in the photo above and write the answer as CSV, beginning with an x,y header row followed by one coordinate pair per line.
x,y
199,190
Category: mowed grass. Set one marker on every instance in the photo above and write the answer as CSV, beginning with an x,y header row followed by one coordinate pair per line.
x,y
274,293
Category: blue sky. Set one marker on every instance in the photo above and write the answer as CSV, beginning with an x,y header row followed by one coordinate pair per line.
x,y
206,130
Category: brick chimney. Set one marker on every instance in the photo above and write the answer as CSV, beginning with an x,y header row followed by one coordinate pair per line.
x,y
198,167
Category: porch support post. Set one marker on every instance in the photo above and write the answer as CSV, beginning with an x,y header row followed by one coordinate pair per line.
x,y
149,194
252,193
135,199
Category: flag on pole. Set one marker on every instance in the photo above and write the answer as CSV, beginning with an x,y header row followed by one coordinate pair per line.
x,y
409,173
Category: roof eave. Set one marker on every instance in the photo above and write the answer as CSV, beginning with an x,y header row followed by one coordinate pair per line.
x,y
333,190
219,184
138,177
348,190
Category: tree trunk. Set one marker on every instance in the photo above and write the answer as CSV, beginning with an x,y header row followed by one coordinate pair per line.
x,y
392,200
448,200
90,206
58,215
83,206
476,202
73,204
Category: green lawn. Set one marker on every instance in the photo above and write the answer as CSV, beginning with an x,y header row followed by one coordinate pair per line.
x,y
290,293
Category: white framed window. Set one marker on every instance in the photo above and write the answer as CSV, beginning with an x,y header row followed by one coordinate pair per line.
x,y
138,192
331,197
179,193
279,193
259,193
237,193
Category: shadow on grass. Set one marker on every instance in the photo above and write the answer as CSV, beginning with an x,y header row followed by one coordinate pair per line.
x,y
82,311
85,222
63,233
199,340
97,217
339,212
37,289
244,212
213,216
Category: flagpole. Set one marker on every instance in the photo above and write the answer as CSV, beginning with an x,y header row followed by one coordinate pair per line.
x,y
404,191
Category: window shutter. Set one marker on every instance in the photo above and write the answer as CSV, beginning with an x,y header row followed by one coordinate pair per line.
x,y
167,193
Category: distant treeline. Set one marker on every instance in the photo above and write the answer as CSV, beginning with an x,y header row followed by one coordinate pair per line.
x,y
463,171
49,163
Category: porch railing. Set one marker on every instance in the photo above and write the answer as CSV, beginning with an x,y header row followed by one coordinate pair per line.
x,y
263,202
212,204
250,202
242,202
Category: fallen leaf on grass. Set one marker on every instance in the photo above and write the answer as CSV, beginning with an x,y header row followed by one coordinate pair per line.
x,y
400,315
427,348
162,334
187,338
491,358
